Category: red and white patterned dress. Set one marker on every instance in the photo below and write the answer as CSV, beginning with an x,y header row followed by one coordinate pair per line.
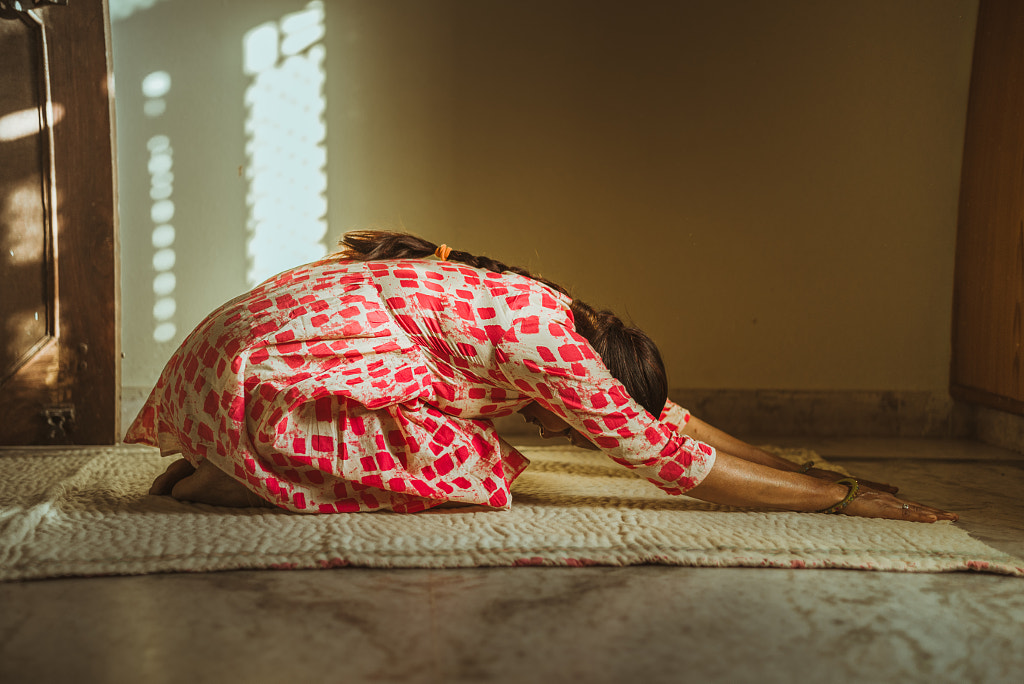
x,y
358,386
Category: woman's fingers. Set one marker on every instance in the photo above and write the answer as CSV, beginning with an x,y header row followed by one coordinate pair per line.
x,y
874,504
912,508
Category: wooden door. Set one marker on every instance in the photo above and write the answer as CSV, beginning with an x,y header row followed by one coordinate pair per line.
x,y
988,329
60,348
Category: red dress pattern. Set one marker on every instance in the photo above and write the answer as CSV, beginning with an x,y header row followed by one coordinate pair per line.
x,y
345,386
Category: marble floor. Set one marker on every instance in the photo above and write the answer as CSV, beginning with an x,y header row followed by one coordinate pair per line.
x,y
638,624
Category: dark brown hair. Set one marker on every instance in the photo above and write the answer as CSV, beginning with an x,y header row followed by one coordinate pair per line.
x,y
629,354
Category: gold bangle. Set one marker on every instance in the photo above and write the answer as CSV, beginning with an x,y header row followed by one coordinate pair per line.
x,y
850,495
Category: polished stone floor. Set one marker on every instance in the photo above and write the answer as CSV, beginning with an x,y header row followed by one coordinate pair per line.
x,y
639,624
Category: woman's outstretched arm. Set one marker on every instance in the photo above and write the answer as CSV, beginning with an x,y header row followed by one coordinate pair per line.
x,y
734,481
723,441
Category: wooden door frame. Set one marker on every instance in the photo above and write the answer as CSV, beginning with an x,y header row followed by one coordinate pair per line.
x,y
988,295
81,369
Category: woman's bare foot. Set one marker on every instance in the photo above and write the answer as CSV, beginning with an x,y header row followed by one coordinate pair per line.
x,y
211,485
175,472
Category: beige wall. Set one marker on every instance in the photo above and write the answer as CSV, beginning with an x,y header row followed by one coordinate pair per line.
x,y
768,188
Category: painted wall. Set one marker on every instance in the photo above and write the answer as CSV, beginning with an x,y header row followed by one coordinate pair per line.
x,y
768,188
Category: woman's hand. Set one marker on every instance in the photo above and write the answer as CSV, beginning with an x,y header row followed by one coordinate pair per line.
x,y
735,481
871,503
833,476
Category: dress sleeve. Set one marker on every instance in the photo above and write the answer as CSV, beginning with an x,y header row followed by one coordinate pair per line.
x,y
549,362
675,416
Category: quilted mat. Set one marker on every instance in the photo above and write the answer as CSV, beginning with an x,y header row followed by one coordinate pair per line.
x,y
81,512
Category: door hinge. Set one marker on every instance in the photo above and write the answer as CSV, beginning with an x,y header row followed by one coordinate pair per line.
x,y
60,421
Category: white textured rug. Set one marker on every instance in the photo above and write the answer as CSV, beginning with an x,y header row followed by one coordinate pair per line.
x,y
86,512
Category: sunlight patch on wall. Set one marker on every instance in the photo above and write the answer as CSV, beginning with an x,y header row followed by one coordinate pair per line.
x,y
155,87
285,142
122,9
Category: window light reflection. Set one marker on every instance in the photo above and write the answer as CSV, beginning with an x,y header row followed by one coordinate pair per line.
x,y
285,142
161,189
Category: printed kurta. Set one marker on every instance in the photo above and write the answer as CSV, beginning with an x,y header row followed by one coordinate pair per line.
x,y
357,386
674,415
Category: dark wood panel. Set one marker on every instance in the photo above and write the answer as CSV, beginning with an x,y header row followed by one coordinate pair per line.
x,y
78,374
26,269
989,287
80,76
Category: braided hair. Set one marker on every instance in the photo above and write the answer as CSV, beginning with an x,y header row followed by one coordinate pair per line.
x,y
628,353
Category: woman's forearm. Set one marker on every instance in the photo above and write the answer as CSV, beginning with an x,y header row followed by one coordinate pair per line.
x,y
746,476
735,481
722,441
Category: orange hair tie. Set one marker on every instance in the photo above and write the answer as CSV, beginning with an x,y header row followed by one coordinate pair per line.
x,y
442,252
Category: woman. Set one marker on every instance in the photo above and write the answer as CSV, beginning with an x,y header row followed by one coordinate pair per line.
x,y
368,380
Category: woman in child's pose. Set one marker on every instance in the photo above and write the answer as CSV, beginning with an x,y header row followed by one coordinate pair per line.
x,y
368,380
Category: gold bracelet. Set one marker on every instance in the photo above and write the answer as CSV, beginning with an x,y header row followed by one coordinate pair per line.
x,y
850,495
